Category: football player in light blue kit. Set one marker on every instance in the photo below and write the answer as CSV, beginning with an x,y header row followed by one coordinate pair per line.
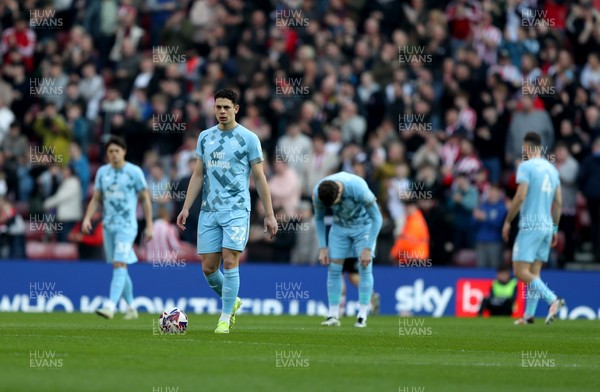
x,y
227,153
118,186
539,200
356,224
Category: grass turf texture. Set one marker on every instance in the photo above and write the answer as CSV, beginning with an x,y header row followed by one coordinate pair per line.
x,y
449,355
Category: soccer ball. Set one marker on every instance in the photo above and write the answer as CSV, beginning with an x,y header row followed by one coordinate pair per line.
x,y
173,321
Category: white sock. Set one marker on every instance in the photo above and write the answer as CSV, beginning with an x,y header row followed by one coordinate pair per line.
x,y
334,311
225,317
363,310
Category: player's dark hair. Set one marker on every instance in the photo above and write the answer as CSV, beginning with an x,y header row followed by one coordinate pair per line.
x,y
533,138
228,94
328,192
115,140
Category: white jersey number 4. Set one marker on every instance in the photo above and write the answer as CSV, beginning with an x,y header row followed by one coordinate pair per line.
x,y
546,185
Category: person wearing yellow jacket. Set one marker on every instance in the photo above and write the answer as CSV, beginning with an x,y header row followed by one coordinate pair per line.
x,y
55,133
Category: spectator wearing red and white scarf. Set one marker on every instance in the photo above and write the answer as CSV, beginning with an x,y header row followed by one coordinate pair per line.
x,y
467,117
486,40
19,38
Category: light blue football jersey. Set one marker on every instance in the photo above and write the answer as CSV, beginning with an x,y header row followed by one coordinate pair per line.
x,y
119,189
228,157
543,180
356,195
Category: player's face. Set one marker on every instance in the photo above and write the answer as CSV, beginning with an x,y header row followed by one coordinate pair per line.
x,y
115,155
225,112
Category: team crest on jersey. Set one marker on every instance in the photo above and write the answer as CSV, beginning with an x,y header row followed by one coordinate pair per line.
x,y
233,143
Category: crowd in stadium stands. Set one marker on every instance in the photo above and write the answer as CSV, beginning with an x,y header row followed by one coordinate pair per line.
x,y
427,100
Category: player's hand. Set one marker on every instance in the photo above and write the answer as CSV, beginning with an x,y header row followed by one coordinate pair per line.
x,y
365,257
506,231
86,226
324,256
182,218
271,225
554,240
148,233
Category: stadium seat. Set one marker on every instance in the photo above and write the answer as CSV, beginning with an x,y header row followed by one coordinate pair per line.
x,y
65,251
465,258
37,250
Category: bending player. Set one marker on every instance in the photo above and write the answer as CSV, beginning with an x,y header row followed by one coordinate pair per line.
x,y
227,153
356,224
539,199
119,185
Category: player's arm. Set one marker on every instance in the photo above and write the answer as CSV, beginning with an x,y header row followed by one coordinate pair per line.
x,y
144,198
556,211
515,207
192,192
320,222
86,225
265,197
321,230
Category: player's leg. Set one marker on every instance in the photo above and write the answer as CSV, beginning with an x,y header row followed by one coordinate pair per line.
x,y
235,224
125,254
334,291
556,304
210,268
533,296
108,310
210,237
366,280
523,255
340,248
343,297
351,270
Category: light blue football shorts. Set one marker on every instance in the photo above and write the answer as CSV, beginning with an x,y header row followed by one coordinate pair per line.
x,y
223,229
531,246
118,246
347,242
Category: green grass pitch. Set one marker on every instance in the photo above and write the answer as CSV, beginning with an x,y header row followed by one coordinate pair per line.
x,y
82,352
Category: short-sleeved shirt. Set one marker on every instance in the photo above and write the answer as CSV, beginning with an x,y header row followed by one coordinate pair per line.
x,y
228,157
356,196
120,188
543,180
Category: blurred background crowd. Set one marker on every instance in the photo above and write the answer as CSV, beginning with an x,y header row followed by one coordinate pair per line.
x,y
427,100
